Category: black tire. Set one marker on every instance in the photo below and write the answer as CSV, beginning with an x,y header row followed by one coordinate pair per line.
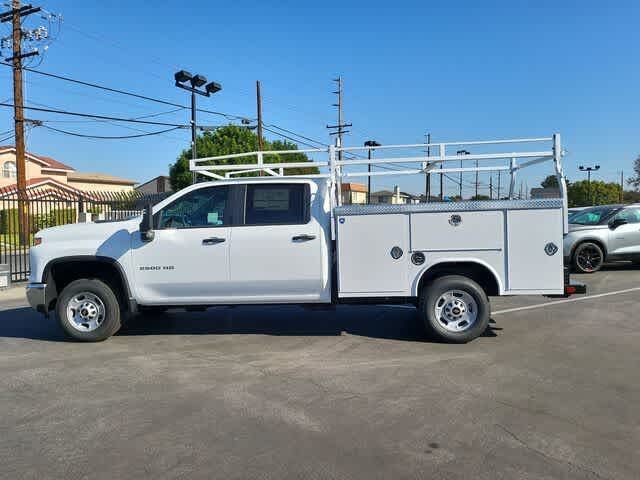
x,y
108,312
588,257
439,327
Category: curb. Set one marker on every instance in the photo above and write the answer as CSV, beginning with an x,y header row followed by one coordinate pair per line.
x,y
15,292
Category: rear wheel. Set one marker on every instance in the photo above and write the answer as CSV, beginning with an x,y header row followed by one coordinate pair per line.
x,y
588,257
454,308
88,310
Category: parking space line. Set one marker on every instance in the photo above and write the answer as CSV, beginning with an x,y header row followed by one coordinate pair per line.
x,y
568,300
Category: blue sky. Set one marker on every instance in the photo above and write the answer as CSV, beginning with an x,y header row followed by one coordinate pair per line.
x,y
460,70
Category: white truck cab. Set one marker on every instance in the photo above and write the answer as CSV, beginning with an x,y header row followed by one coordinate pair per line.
x,y
282,239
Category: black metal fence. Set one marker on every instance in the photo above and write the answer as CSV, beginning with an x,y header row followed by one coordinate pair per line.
x,y
22,214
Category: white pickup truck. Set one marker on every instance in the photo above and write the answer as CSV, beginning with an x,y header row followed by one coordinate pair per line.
x,y
287,240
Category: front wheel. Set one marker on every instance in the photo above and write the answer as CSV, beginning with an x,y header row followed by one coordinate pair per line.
x,y
454,308
88,310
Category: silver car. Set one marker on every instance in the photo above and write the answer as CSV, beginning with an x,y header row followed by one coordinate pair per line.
x,y
603,234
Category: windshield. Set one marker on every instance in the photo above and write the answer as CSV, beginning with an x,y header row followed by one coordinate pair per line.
x,y
592,216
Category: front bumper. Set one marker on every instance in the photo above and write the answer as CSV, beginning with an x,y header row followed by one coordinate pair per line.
x,y
36,296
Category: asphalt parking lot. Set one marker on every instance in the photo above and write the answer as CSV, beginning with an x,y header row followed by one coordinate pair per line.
x,y
549,392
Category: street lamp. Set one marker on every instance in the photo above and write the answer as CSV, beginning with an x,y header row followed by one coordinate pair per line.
x,y
589,170
196,81
371,144
464,152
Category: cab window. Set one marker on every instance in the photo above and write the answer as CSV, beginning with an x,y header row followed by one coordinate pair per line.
x,y
277,204
202,208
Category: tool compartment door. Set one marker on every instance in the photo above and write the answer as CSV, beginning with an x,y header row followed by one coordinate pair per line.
x,y
535,250
366,266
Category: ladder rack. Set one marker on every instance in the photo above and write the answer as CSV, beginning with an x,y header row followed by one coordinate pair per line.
x,y
226,166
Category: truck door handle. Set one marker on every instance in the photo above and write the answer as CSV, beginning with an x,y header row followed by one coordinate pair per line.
x,y
213,240
303,238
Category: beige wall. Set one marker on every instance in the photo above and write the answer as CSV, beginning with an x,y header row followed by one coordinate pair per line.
x,y
57,176
99,187
34,170
351,197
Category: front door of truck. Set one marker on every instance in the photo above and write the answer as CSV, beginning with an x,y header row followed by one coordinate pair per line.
x,y
188,260
277,250
625,239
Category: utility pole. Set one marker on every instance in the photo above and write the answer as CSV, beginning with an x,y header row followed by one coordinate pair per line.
x,y
16,15
491,187
476,179
340,126
428,177
371,144
462,152
259,102
441,186
622,186
498,192
520,194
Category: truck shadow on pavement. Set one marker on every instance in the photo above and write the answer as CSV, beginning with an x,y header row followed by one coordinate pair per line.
x,y
384,322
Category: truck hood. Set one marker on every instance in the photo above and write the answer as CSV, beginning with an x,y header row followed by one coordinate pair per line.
x,y
575,227
87,231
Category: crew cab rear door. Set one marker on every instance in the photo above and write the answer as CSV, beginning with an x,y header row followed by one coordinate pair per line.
x,y
277,249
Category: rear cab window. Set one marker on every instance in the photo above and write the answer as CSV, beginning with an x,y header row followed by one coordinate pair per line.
x,y
277,204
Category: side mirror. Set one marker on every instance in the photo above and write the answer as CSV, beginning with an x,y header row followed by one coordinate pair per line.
x,y
146,226
617,222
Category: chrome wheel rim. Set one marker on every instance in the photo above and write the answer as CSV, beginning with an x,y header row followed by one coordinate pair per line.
x,y
589,258
85,312
456,311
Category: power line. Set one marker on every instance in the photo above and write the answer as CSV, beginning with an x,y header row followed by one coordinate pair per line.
x,y
152,115
115,137
100,117
229,116
298,135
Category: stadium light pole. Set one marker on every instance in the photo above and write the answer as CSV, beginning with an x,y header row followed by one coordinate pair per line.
x,y
595,168
196,81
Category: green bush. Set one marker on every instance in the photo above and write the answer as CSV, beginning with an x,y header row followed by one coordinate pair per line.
x,y
9,220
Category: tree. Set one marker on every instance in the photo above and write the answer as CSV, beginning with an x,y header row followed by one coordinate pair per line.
x,y
635,180
598,193
229,140
550,182
480,197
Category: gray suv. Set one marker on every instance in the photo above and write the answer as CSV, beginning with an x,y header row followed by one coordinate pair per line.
x,y
604,233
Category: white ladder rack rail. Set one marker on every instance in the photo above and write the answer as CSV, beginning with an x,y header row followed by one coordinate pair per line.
x,y
210,166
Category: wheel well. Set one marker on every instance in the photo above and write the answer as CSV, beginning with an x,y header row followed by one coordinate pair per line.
x,y
589,240
475,271
62,273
